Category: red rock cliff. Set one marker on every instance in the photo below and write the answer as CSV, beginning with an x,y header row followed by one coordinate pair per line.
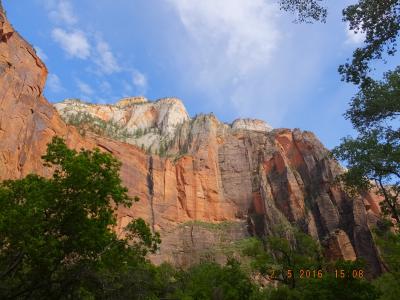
x,y
252,180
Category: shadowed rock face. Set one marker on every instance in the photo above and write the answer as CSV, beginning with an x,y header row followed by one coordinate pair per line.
x,y
249,179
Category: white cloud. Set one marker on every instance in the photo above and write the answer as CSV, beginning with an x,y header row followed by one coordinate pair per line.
x,y
230,45
40,53
106,60
84,88
354,38
233,35
62,12
74,43
54,83
89,45
139,80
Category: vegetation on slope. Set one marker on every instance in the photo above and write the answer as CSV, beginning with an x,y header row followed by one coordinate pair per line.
x,y
84,122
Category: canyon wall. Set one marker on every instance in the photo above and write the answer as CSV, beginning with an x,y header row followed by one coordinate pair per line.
x,y
214,184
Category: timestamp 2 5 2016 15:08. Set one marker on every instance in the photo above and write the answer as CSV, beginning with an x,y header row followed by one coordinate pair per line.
x,y
319,273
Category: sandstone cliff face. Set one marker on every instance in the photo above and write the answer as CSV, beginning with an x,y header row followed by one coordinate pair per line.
x,y
27,120
217,183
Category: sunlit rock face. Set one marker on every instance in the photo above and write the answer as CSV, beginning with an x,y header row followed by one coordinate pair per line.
x,y
251,124
132,113
214,183
27,120
139,121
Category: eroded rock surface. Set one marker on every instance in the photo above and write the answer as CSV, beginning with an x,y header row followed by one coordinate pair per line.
x,y
139,121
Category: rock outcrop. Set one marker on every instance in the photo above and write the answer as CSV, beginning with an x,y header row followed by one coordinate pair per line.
x,y
251,124
150,124
216,184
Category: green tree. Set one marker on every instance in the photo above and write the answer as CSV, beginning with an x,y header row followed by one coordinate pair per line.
x,y
373,158
294,261
163,148
209,280
329,286
305,10
282,256
389,245
56,234
380,21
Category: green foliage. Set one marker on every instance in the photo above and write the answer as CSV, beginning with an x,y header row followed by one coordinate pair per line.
x,y
163,148
286,262
328,287
305,10
380,21
209,280
375,102
373,157
261,260
290,249
374,111
389,286
86,122
389,245
375,154
56,234
368,158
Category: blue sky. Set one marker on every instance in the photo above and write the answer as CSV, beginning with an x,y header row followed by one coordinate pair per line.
x,y
235,58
